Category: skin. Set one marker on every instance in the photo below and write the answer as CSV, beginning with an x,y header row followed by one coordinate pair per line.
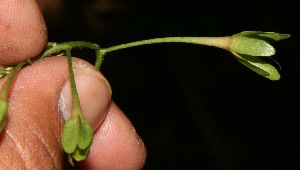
x,y
39,101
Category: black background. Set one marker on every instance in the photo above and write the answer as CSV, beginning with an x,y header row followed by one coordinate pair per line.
x,y
195,107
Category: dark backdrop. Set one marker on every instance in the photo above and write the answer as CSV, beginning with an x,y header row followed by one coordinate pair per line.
x,y
195,107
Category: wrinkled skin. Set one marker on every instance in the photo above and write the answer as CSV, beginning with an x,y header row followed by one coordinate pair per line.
x,y
40,99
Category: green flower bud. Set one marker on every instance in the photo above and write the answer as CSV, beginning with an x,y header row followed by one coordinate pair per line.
x,y
77,137
255,43
249,46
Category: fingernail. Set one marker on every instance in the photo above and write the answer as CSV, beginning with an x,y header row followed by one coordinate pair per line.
x,y
94,95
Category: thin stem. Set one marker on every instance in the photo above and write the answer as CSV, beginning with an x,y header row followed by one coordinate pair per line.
x,y
76,109
221,42
99,59
56,48
5,88
4,94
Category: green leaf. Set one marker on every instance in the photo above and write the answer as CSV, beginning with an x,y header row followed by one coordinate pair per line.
x,y
250,46
258,65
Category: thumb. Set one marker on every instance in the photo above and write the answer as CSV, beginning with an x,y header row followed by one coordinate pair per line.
x,y
23,33
31,138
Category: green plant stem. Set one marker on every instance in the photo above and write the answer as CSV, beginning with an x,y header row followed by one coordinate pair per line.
x,y
4,94
5,88
55,48
220,42
99,59
76,109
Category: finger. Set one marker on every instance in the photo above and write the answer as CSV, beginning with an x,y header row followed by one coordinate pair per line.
x,y
31,138
116,144
92,100
23,33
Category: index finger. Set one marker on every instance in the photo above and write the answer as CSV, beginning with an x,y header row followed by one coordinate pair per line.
x,y
23,32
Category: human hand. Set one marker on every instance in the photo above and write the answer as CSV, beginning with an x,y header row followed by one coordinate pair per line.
x,y
40,98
